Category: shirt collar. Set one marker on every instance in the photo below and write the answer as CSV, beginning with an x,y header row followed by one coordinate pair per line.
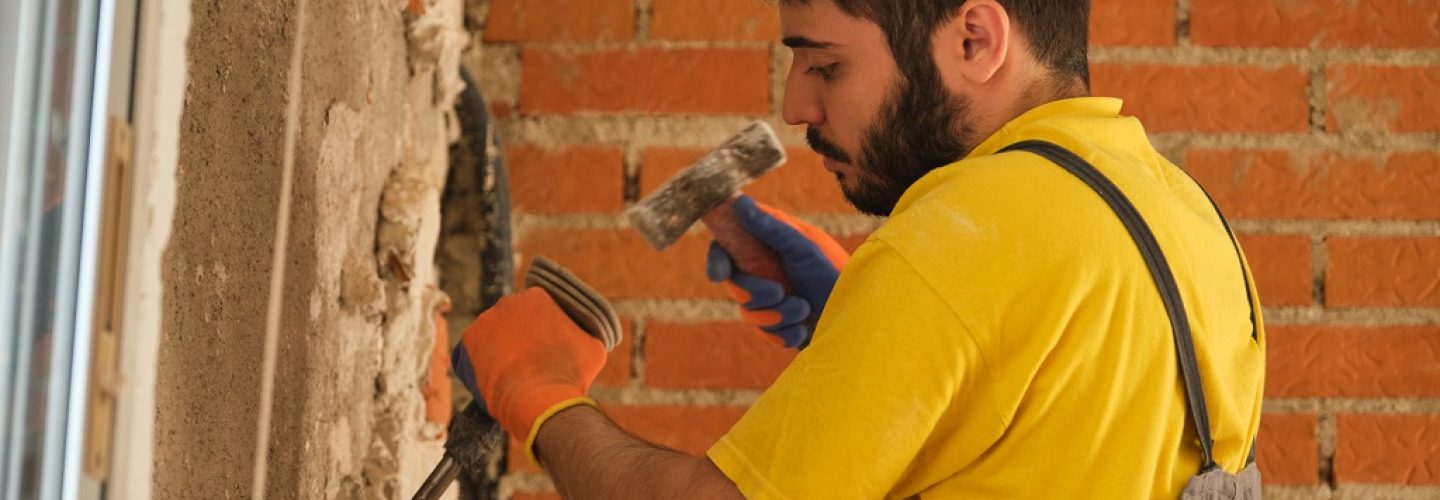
x,y
1016,130
1078,107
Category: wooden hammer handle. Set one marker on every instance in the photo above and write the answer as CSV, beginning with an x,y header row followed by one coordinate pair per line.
x,y
749,254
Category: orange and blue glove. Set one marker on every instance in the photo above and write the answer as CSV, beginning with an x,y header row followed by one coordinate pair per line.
x,y
812,261
525,360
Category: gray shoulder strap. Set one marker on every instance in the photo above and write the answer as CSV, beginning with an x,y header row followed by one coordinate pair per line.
x,y
1164,282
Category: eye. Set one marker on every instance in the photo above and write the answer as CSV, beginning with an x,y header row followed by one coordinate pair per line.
x,y
825,72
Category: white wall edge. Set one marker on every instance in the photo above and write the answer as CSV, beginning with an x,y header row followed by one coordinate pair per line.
x,y
160,83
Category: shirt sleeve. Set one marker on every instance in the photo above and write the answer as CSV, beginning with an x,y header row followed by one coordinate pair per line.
x,y
891,372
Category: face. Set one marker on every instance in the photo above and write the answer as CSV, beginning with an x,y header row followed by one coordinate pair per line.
x,y
879,126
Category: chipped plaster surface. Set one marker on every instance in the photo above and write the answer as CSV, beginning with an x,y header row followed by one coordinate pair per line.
x,y
376,121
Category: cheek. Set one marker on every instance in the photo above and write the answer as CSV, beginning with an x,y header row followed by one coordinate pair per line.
x,y
857,108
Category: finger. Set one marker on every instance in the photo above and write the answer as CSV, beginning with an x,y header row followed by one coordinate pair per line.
x,y
761,318
718,265
792,310
758,293
793,336
770,337
771,231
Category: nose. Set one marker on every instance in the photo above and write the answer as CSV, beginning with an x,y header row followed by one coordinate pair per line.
x,y
802,105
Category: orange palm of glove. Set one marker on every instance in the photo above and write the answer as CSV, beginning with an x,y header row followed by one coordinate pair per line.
x,y
530,361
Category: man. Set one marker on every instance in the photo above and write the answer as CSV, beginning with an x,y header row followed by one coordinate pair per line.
x,y
998,336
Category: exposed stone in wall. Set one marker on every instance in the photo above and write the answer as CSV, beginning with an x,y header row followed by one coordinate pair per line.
x,y
379,80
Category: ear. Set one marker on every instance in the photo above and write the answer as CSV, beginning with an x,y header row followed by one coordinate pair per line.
x,y
973,45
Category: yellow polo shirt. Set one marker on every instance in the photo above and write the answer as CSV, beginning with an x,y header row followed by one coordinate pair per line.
x,y
1000,337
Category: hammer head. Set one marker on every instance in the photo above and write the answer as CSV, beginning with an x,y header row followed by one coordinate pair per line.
x,y
668,212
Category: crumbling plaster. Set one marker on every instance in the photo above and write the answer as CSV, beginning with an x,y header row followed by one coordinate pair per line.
x,y
376,122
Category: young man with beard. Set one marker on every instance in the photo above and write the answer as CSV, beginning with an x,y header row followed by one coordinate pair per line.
x,y
1000,334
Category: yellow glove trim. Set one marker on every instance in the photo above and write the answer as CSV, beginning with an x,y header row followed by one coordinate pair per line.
x,y
550,412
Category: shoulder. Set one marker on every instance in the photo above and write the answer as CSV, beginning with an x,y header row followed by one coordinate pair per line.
x,y
991,205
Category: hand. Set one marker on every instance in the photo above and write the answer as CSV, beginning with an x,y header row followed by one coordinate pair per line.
x,y
811,259
525,360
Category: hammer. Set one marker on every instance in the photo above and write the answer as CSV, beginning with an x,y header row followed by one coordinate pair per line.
x,y
706,191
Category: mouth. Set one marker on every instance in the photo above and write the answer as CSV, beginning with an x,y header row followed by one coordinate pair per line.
x,y
834,167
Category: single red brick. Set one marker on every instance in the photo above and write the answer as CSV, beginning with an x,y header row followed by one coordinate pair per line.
x,y
620,265
1389,24
1383,98
560,20
1221,98
1356,362
536,495
1393,271
711,356
714,20
1274,184
1281,267
800,186
586,179
645,80
1286,450
1387,449
1132,22
686,429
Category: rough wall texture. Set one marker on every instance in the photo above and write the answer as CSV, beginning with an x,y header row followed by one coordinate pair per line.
x,y
370,167
1313,123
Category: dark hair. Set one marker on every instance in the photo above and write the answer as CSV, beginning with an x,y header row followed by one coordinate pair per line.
x,y
1057,30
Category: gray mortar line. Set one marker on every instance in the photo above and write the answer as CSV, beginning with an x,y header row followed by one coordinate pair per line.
x,y
649,396
677,310
1387,491
1316,91
834,224
1337,227
1325,440
1182,23
1348,140
1296,492
704,131
573,222
644,14
1376,317
1178,55
1260,56
583,47
1319,260
1376,406
630,192
853,224
637,355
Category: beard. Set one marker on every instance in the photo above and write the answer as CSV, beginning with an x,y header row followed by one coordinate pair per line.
x,y
919,128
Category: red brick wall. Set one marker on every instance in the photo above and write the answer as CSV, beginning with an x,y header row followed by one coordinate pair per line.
x,y
1313,123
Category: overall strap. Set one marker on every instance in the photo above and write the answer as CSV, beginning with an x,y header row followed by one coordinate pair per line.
x,y
1159,271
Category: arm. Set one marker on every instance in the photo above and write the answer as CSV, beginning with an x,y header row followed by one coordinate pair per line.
x,y
589,457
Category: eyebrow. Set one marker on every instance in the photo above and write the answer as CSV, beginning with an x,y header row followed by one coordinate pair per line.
x,y
800,42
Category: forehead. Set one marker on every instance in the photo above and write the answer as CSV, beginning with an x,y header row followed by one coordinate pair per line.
x,y
823,23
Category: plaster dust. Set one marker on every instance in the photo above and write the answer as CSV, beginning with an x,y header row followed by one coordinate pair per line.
x,y
359,290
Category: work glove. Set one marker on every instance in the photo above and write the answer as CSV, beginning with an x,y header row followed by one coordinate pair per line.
x,y
525,360
811,259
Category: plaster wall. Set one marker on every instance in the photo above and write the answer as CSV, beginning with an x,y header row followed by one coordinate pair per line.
x,y
359,294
